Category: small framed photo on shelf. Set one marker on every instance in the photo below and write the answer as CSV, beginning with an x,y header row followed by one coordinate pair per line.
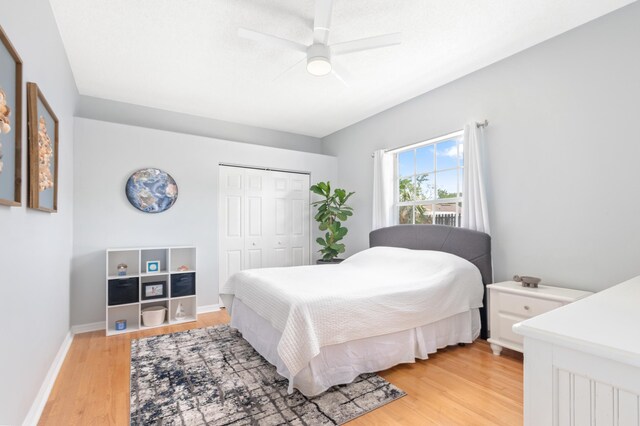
x,y
153,266
154,290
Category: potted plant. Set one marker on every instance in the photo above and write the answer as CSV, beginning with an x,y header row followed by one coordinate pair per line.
x,y
332,211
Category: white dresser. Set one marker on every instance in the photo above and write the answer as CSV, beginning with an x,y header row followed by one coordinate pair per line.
x,y
582,361
510,303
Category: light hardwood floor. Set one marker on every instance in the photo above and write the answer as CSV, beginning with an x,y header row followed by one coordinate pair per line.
x,y
456,386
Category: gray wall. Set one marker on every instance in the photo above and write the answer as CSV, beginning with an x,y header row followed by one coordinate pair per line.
x,y
35,247
562,145
136,115
107,154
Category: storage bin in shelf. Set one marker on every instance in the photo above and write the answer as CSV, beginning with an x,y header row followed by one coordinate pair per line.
x,y
182,257
148,304
151,255
129,313
131,258
122,291
183,284
189,309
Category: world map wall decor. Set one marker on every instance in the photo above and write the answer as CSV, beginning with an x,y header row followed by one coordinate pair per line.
x,y
151,190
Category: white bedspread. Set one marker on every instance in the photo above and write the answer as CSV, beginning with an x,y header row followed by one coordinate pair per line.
x,y
378,291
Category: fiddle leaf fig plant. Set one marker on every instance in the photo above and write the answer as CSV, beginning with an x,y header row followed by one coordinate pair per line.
x,y
332,211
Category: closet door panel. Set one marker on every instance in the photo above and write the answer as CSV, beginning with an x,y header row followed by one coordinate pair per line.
x,y
254,181
254,258
231,224
257,201
232,180
233,262
280,217
297,256
300,183
280,182
254,217
297,217
254,246
280,256
233,211
300,219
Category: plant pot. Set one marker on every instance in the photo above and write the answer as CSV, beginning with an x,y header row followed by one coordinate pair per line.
x,y
333,261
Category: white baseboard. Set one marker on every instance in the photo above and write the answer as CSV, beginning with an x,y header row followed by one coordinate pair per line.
x,y
100,325
33,416
208,308
85,328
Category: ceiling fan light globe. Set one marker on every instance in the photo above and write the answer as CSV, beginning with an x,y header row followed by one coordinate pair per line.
x,y
318,66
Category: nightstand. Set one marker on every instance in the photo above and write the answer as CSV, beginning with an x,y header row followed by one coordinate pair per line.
x,y
510,303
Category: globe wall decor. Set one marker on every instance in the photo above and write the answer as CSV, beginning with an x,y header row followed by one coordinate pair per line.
x,y
151,190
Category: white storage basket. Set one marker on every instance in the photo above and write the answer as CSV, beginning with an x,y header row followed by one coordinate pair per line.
x,y
153,316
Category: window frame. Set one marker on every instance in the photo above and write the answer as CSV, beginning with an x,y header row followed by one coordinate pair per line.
x,y
460,167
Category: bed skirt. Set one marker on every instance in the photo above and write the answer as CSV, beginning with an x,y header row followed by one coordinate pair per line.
x,y
342,363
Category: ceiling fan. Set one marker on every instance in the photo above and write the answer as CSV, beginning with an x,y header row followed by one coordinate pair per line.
x,y
320,54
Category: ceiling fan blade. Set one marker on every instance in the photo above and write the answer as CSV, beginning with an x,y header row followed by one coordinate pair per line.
x,y
366,44
289,69
341,74
340,78
272,40
322,21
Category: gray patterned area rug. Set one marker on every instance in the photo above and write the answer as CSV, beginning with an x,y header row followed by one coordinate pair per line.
x,y
212,376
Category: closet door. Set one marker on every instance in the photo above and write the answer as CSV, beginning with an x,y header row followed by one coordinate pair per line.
x,y
231,226
264,220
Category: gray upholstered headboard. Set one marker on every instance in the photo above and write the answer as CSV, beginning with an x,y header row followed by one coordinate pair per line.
x,y
471,245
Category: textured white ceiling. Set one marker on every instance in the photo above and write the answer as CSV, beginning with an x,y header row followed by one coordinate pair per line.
x,y
185,55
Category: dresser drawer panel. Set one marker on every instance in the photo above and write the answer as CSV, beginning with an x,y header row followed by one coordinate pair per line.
x,y
525,306
505,329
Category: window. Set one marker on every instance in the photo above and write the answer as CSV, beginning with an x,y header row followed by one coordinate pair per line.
x,y
429,179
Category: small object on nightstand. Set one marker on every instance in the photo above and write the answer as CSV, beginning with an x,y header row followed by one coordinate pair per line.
x,y
527,281
121,325
122,269
183,268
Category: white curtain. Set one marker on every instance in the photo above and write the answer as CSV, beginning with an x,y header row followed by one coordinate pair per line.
x,y
474,208
382,189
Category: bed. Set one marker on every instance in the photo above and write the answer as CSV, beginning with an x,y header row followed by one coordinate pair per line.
x,y
417,288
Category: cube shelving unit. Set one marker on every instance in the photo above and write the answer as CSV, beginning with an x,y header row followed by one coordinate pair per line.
x,y
171,259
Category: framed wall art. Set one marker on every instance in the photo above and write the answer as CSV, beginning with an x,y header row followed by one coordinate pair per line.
x,y
42,124
10,123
